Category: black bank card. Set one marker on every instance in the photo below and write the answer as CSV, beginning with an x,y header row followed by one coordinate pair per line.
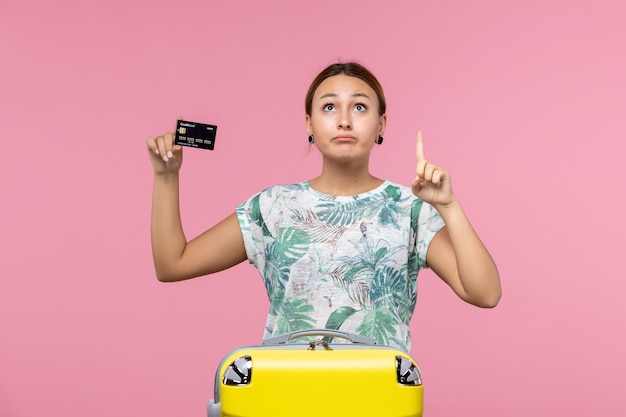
x,y
196,135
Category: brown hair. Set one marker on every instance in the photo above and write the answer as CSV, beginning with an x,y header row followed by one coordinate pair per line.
x,y
352,69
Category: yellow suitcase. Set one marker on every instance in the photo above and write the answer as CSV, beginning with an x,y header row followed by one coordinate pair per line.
x,y
282,378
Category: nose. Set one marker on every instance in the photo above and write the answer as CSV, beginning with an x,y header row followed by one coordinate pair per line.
x,y
345,121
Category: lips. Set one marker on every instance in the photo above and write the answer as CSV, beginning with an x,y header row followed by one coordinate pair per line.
x,y
344,138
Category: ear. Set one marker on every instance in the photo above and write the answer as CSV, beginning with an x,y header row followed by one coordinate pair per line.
x,y
309,128
383,124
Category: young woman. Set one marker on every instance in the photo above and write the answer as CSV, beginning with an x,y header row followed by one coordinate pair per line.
x,y
341,251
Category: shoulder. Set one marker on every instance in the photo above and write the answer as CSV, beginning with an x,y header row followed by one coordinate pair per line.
x,y
282,189
282,193
270,203
398,192
276,195
279,190
403,195
401,187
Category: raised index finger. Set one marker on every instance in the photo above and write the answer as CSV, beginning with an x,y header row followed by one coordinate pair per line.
x,y
419,147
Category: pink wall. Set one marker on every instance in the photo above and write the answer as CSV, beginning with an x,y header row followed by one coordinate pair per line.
x,y
523,101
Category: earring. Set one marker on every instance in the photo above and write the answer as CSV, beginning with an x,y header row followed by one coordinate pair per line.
x,y
379,140
311,139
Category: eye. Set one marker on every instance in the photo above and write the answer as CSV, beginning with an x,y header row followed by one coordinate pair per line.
x,y
360,107
328,107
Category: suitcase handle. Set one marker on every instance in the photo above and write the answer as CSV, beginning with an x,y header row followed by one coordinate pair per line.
x,y
284,338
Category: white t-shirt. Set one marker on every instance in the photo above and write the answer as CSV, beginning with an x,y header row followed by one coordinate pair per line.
x,y
336,262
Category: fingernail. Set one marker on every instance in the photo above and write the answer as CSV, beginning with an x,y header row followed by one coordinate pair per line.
x,y
156,151
169,154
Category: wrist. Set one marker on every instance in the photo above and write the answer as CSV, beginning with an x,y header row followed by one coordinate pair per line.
x,y
448,208
166,176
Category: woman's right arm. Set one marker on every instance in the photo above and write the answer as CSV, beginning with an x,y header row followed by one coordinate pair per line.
x,y
175,258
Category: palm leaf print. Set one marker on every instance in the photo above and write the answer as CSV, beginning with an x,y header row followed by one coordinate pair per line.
x,y
406,306
394,193
354,273
347,214
338,317
416,260
276,278
355,286
295,315
290,245
284,189
370,257
390,209
378,325
388,215
415,211
317,230
255,215
389,292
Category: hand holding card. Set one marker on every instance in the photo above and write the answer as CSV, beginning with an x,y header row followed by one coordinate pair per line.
x,y
195,135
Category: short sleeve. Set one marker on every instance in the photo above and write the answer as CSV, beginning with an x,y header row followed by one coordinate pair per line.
x,y
251,224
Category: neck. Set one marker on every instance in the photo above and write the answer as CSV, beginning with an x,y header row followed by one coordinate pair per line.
x,y
344,180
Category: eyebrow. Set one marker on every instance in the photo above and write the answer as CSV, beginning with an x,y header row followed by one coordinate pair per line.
x,y
353,95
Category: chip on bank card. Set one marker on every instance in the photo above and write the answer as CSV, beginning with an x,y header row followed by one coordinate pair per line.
x,y
196,135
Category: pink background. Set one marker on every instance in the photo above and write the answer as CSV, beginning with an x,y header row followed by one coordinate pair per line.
x,y
523,101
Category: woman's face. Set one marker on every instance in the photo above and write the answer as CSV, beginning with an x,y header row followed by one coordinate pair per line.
x,y
344,118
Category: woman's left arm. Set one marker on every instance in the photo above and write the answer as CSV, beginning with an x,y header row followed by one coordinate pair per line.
x,y
456,253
